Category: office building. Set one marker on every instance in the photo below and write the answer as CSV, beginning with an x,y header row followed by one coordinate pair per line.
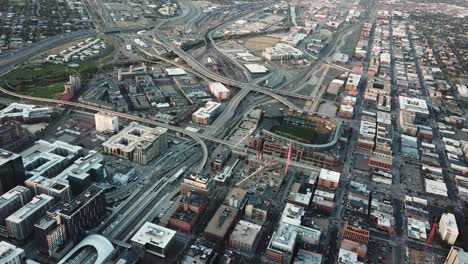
x,y
219,90
356,234
220,224
106,122
25,113
11,171
59,190
456,255
244,236
448,228
49,233
329,179
83,212
282,52
20,224
137,143
73,85
154,239
10,254
236,198
206,114
11,135
13,200
307,257
196,182
282,244
83,172
48,159
191,207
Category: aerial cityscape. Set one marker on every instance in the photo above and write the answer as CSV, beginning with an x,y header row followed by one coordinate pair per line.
x,y
232,132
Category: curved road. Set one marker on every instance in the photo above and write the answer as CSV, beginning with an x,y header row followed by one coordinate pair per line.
x,y
195,136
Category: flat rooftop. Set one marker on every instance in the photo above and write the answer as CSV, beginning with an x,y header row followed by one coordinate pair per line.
x,y
133,135
11,194
153,234
329,175
80,201
9,252
6,156
222,221
246,232
35,204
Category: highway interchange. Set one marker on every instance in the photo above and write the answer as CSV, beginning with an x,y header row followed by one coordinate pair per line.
x,y
155,189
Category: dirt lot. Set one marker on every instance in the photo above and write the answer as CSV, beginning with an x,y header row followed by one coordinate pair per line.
x,y
260,43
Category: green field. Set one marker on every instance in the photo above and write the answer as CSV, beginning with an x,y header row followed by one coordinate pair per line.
x,y
302,134
47,80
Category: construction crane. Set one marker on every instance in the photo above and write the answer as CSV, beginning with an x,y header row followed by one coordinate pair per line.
x,y
429,240
267,165
286,168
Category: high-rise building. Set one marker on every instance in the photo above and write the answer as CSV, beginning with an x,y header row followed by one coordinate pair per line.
x,y
50,233
20,224
73,86
106,122
11,171
13,200
10,254
83,172
83,212
448,228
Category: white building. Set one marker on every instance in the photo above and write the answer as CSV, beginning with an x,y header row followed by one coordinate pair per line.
x,y
448,228
204,115
462,90
137,143
220,91
20,224
244,236
282,52
10,254
256,68
106,122
154,239
329,179
412,104
25,112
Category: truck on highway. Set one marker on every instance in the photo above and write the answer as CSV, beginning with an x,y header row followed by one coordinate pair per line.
x,y
129,47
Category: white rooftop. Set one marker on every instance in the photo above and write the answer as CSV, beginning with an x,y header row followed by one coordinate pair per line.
x,y
450,222
413,104
284,238
329,175
246,232
436,187
207,110
35,204
154,234
9,252
175,71
256,68
24,110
